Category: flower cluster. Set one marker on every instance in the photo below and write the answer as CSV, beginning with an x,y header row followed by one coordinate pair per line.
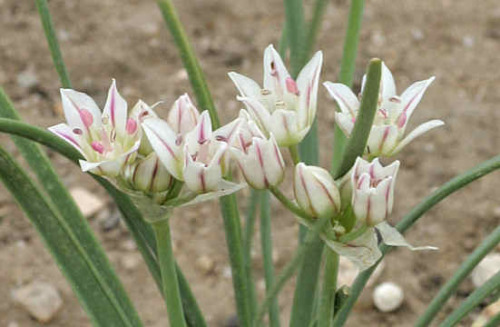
x,y
184,159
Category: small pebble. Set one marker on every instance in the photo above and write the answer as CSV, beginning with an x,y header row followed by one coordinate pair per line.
x,y
205,264
488,267
27,78
388,297
128,245
40,299
88,203
232,321
130,261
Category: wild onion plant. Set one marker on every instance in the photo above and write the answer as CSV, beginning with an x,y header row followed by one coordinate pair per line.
x,y
152,166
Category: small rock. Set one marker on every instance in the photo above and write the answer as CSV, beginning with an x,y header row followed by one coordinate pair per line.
x,y
13,324
496,212
128,245
181,75
41,300
417,34
487,314
488,267
468,41
27,78
388,297
227,273
88,203
109,219
130,261
205,264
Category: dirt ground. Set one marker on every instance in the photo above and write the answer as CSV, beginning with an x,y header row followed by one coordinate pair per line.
x,y
457,41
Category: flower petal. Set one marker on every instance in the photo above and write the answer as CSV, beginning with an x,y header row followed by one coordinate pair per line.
x,y
382,140
163,140
258,112
345,122
79,108
387,85
421,129
115,109
275,73
183,116
246,86
307,83
345,98
66,133
412,96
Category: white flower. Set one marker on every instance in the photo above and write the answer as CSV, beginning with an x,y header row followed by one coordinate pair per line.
x,y
315,190
373,190
258,157
392,116
284,107
108,140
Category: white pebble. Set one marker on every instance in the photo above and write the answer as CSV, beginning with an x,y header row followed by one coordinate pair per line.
x,y
41,300
488,267
88,203
388,297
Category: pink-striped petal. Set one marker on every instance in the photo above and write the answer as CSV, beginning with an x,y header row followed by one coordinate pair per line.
x,y
246,86
275,72
421,129
115,110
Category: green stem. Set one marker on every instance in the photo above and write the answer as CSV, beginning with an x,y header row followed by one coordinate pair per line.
x,y
463,271
411,218
347,67
289,204
472,301
294,153
170,283
327,300
315,24
294,25
267,255
287,273
232,229
251,214
356,144
50,34
189,59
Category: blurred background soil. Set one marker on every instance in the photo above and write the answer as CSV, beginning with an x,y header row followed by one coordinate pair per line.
x,y
457,41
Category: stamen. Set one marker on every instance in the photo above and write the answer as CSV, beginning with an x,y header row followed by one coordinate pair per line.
x,y
280,105
178,140
291,86
97,147
77,131
105,119
265,92
131,126
86,117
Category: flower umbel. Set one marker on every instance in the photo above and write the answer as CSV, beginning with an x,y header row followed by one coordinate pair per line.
x,y
392,116
373,190
284,107
106,140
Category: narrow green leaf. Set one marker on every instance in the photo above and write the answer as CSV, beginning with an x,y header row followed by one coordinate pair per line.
x,y
463,271
189,59
140,230
267,256
295,34
473,300
50,35
356,143
81,263
314,25
232,227
347,68
68,210
327,300
494,322
411,218
253,204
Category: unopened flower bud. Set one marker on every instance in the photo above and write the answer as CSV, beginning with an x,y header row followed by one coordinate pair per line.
x,y
149,175
315,191
373,190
